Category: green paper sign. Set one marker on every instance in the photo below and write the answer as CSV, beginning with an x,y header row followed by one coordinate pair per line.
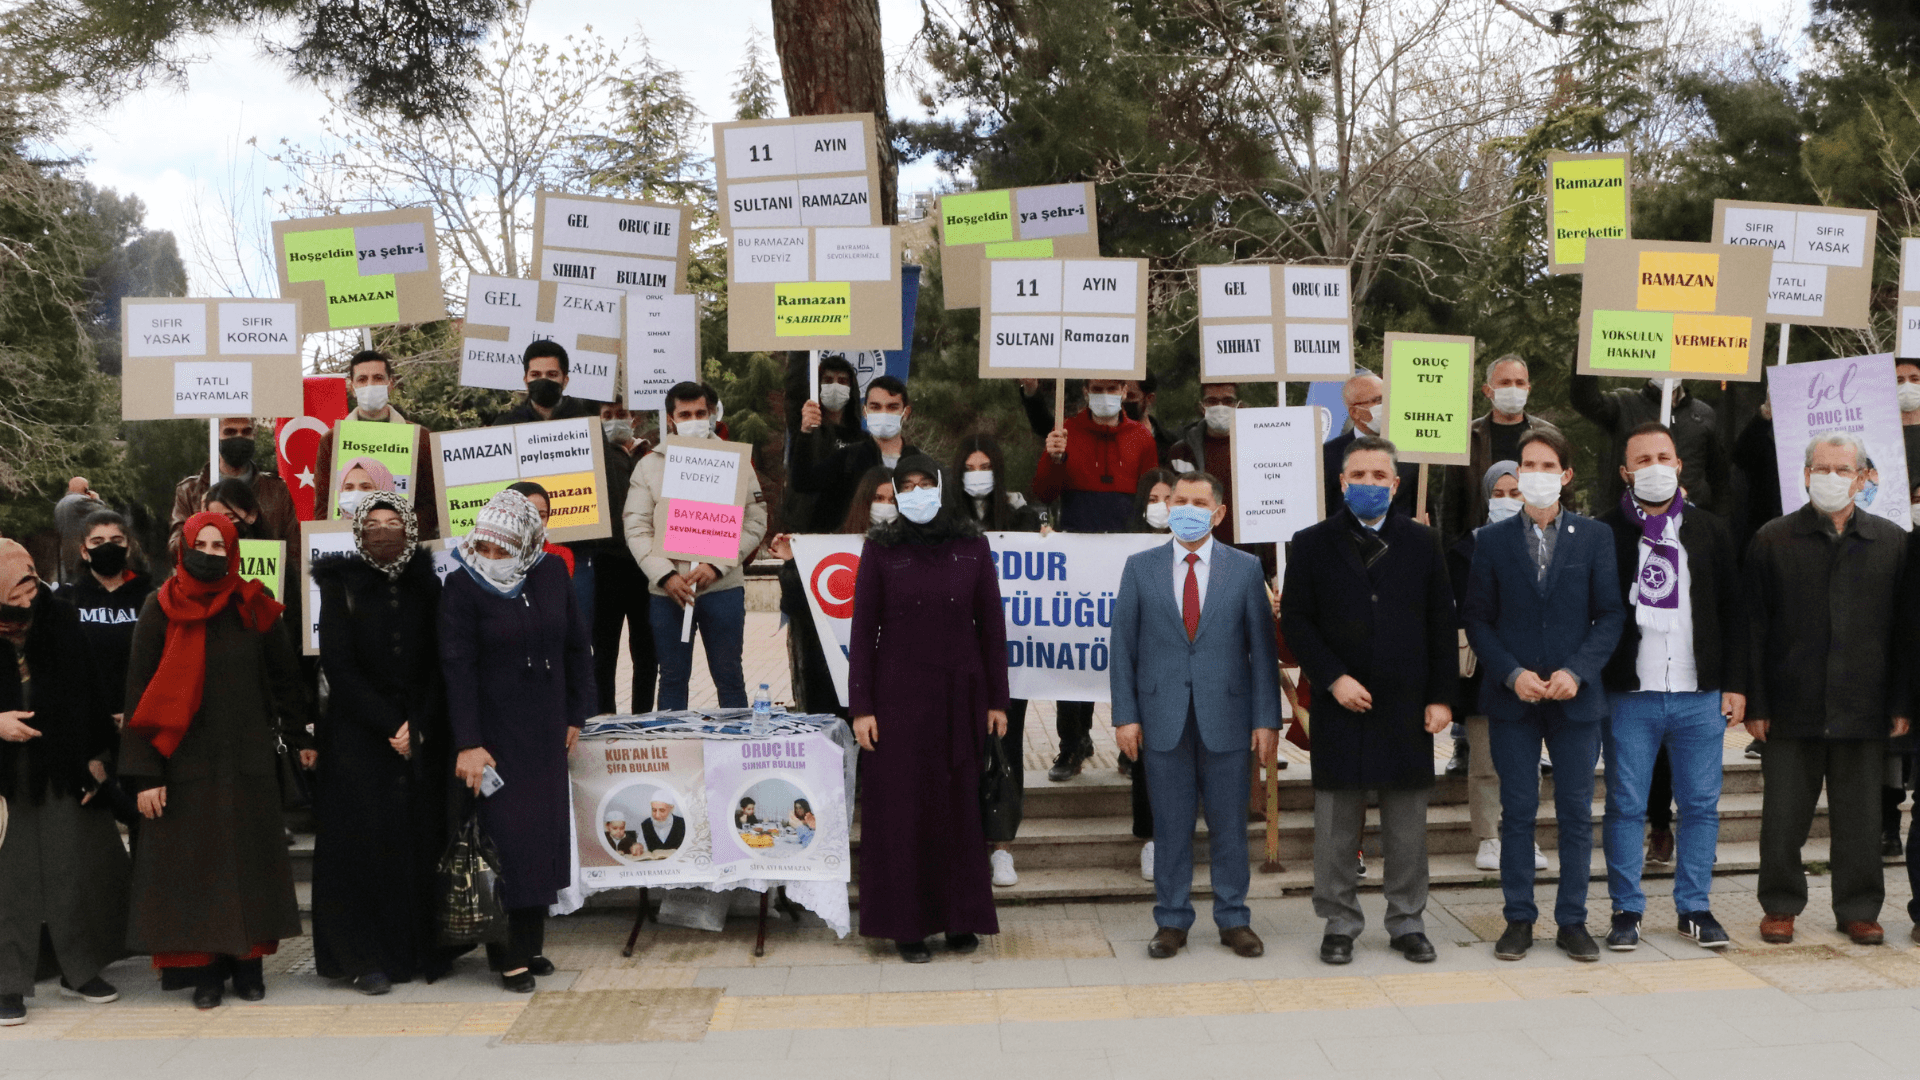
x,y
329,257
389,444
1430,396
977,218
464,503
264,561
1021,249
1589,200
806,308
1634,340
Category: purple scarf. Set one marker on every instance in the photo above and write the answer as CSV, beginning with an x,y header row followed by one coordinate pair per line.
x,y
1656,589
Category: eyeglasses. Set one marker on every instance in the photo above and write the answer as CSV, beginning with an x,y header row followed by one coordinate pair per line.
x,y
1845,472
393,526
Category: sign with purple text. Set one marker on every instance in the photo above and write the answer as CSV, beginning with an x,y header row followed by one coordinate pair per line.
x,y
777,808
1854,394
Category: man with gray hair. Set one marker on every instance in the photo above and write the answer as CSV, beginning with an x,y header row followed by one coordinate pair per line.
x,y
1825,595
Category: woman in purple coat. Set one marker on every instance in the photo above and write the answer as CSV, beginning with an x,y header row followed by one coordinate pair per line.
x,y
927,683
519,672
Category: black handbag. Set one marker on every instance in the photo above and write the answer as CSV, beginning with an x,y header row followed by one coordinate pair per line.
x,y
1002,787
470,910
296,782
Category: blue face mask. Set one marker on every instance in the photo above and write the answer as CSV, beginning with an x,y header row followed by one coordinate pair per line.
x,y
1368,501
918,505
1190,523
1865,498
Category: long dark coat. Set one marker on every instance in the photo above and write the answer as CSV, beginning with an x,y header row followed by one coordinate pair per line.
x,y
211,873
519,672
381,817
928,659
1392,627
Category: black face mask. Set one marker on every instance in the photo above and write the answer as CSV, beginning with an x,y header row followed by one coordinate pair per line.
x,y
1133,409
107,560
205,566
237,452
544,393
15,615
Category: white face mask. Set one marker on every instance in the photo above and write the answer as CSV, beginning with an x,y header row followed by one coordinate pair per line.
x,y
499,571
977,484
1375,414
1914,510
1909,396
1540,489
371,398
1509,399
350,502
918,505
1655,483
884,425
884,512
1157,515
693,429
1499,510
1219,418
1105,406
835,395
617,431
1830,493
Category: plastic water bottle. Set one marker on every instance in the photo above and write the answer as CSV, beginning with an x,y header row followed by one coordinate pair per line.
x,y
763,709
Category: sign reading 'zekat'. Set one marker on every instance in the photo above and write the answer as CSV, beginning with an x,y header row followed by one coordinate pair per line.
x,y
1673,310
1064,318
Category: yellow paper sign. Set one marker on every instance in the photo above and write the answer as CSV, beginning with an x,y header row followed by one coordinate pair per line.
x,y
1678,281
1589,199
572,500
806,308
1712,343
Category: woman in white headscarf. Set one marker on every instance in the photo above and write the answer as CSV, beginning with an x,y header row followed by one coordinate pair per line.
x,y
515,653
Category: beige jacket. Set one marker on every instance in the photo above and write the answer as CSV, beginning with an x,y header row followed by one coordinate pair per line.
x,y
646,519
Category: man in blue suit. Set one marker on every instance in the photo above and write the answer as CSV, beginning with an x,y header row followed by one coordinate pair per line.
x,y
1195,688
1543,612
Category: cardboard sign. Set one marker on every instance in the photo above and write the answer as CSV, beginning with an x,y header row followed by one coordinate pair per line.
x,y
1269,322
1064,319
389,444
1052,222
1854,394
1277,465
1907,343
1673,310
797,172
505,315
1589,197
566,457
663,346
206,359
1822,258
627,244
1429,397
356,270
705,486
805,288
318,539
265,561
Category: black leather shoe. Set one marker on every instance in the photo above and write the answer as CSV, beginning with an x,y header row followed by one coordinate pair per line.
x,y
914,952
518,984
1167,941
1243,941
1514,942
373,984
1577,943
1336,949
1415,947
963,943
540,966
249,980
207,995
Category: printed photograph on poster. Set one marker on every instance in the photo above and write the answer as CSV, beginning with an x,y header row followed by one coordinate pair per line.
x,y
1056,221
1429,397
187,358
505,315
1822,271
633,245
566,457
797,172
355,270
801,288
1263,322
1064,319
318,539
663,346
1666,309
777,808
1277,465
705,485
1589,197
640,810
1854,394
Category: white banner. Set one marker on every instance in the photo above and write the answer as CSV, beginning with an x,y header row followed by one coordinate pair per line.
x,y
1854,394
1057,593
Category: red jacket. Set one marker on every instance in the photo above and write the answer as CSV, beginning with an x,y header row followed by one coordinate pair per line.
x,y
1096,483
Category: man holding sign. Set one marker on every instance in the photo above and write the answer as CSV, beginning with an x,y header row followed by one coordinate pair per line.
x,y
370,380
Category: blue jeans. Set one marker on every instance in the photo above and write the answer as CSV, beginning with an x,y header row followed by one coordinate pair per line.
x,y
720,618
1690,726
1574,749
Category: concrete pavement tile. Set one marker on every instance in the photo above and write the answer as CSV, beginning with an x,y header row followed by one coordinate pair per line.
x,y
1900,1049
1009,974
1326,992
1677,976
1824,1026
1614,1037
1680,1006
782,1012
886,1042
1056,1065
1783,1062
143,1054
624,978
1547,1015
269,1053
1862,999
1107,972
834,979
1639,1067
1192,999
1442,1051
1104,1034
1444,987
1357,1026
899,977
914,1010
1058,1003
717,1046
569,1070
736,982
328,1072
1585,980
1225,1062
850,1069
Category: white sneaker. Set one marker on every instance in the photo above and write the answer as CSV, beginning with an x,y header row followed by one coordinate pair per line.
x,y
1002,863
1489,856
1539,858
1146,860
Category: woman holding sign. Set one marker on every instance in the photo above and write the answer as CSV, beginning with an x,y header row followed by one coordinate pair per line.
x,y
515,653
927,684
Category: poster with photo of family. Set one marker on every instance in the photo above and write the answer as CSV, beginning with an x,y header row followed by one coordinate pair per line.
x,y
640,808
778,809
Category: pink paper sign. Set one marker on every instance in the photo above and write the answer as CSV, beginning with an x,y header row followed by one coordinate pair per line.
x,y
704,529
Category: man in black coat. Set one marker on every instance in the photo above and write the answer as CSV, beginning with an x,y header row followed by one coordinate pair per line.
x,y
1368,612
1824,588
1677,681
832,477
1619,413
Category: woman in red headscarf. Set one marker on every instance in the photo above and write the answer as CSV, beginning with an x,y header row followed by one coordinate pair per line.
x,y
212,685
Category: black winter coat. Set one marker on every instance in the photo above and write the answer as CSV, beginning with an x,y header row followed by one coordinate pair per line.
x,y
1705,475
72,707
1719,606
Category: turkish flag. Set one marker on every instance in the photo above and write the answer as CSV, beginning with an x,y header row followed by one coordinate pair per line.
x,y
297,439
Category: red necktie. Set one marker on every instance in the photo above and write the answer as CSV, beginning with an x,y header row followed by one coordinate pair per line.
x,y
1190,597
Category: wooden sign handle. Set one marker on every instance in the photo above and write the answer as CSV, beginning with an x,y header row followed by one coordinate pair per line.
x,y
1059,403
1420,497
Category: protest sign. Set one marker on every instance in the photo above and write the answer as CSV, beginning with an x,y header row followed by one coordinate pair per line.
x,y
1822,268
1589,196
564,456
1264,322
705,485
640,812
318,539
1854,394
1907,344
505,315
187,358
355,270
805,288
265,561
796,172
1064,319
663,346
1057,593
1673,310
389,444
1052,222
1429,397
777,808
1277,463
870,364
628,244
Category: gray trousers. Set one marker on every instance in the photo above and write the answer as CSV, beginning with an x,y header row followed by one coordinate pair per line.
x,y
62,865
1794,770
1338,817
1483,783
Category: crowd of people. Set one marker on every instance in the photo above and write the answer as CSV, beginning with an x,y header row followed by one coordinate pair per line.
x,y
177,705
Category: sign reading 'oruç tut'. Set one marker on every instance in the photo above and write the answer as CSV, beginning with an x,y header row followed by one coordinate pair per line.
x,y
1673,310
358,270
1429,397
1589,197
187,358
1275,321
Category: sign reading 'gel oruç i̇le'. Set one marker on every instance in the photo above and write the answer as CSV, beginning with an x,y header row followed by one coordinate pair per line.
x,y
1822,269
1051,222
563,456
1263,322
203,358
1673,310
358,270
